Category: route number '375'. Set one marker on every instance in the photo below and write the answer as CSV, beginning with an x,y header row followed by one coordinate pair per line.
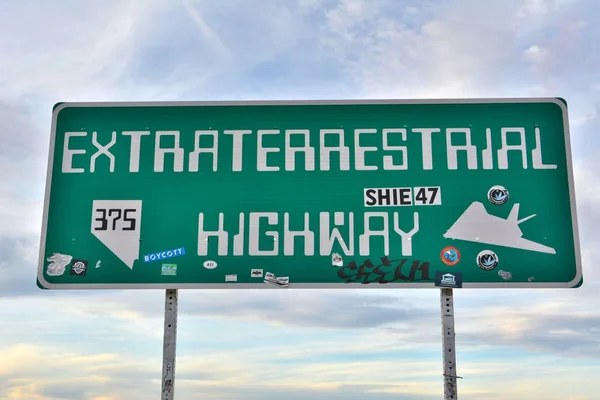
x,y
108,218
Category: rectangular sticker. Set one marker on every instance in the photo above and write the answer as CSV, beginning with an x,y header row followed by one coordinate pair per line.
x,y
168,269
402,196
448,279
428,195
164,255
231,278
282,281
256,273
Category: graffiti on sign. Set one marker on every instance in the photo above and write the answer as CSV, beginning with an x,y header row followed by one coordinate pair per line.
x,y
386,272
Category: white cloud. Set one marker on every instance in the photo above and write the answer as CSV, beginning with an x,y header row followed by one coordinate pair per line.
x,y
536,54
260,369
205,29
465,48
87,48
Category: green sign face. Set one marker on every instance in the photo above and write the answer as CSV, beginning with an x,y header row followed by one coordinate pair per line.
x,y
310,194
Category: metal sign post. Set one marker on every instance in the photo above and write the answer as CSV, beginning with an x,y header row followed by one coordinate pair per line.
x,y
169,345
448,344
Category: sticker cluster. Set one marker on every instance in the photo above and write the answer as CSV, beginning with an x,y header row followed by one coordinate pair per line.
x,y
60,262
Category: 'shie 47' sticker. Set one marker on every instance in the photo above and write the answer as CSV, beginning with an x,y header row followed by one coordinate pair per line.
x,y
450,255
487,260
498,195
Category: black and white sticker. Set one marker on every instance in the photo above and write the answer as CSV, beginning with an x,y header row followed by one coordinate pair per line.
x,y
79,267
487,260
282,281
336,260
256,273
448,279
403,196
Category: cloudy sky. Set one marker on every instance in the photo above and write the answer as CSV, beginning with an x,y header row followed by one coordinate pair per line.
x,y
383,344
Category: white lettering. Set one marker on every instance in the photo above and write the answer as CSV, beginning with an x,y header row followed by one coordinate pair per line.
x,y
134,154
388,161
288,237
197,149
503,151
159,152
452,149
238,141
238,240
486,154
537,153
394,157
343,150
221,234
426,144
359,152
253,246
261,161
290,152
326,238
406,236
103,150
67,161
365,238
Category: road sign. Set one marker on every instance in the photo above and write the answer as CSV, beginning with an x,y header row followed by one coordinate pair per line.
x,y
386,193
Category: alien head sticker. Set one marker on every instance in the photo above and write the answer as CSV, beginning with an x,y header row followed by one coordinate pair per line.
x,y
450,255
498,195
487,260
336,260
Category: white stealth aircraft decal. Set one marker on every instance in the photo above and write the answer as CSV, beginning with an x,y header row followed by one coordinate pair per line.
x,y
476,225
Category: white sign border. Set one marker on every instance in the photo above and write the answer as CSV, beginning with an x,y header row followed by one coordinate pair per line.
x,y
467,285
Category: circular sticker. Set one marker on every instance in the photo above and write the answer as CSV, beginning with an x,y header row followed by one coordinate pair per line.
x,y
498,195
487,260
210,264
450,255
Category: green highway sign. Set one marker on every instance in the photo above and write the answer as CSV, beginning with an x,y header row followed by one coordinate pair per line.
x,y
472,193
